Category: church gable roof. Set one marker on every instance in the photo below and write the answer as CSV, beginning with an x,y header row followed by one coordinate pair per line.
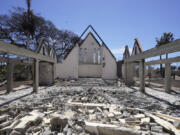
x,y
79,42
88,36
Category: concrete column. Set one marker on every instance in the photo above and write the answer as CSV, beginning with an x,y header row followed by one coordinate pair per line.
x,y
10,71
54,72
167,77
125,72
36,75
141,75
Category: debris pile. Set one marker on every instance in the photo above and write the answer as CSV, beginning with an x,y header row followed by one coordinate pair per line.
x,y
86,110
86,118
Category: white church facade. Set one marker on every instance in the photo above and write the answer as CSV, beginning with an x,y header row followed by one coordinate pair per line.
x,y
88,58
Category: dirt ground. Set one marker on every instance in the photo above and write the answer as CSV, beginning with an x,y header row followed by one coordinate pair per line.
x,y
18,85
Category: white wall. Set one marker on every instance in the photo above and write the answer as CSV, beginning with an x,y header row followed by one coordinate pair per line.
x,y
109,71
69,67
90,44
89,70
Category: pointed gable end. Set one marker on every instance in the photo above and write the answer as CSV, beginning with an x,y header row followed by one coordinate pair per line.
x,y
52,53
91,37
126,53
137,47
42,48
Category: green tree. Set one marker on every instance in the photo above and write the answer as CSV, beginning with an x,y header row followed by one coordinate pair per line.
x,y
13,29
164,39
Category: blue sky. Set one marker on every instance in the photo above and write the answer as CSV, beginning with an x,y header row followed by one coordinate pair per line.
x,y
118,22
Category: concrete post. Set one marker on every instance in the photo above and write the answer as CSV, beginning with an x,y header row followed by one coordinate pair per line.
x,y
36,75
10,67
141,75
54,72
125,72
167,77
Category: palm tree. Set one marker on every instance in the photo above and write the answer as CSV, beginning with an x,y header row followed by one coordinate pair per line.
x,y
28,19
29,23
165,38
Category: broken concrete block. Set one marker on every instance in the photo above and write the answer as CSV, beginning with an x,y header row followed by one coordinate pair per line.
x,y
81,111
58,122
139,116
46,121
117,113
69,132
14,132
123,121
91,111
34,118
111,115
132,121
177,124
3,118
137,127
92,117
4,124
106,129
145,120
158,129
126,114
69,114
60,134
37,129
9,128
112,108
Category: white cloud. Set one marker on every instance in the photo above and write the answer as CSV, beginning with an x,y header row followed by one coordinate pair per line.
x,y
119,51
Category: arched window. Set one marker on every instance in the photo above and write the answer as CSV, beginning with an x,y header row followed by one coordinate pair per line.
x,y
80,56
85,55
99,56
94,56
44,51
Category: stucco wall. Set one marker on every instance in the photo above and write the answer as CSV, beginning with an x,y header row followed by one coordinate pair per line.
x,y
69,67
128,72
89,70
46,73
90,44
109,65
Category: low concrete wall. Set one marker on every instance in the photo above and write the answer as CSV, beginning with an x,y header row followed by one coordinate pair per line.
x,y
46,75
89,70
69,67
128,72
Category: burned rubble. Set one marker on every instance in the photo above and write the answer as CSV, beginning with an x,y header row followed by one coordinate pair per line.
x,y
88,109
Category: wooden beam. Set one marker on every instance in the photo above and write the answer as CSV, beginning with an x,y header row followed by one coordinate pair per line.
x,y
13,49
163,61
168,48
10,76
54,72
167,78
36,76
